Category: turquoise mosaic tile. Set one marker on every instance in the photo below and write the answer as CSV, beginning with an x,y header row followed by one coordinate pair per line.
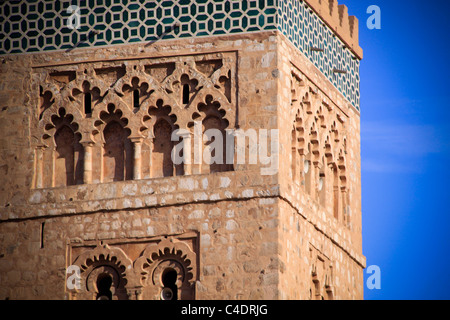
x,y
42,25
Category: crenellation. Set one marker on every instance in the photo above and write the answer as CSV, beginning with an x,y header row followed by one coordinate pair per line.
x,y
337,18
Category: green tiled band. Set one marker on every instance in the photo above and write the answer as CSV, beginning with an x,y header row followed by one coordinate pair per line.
x,y
41,25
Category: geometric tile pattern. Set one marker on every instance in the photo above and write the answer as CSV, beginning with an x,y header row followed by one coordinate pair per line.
x,y
41,25
304,28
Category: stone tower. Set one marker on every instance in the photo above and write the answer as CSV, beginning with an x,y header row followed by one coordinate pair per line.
x,y
96,97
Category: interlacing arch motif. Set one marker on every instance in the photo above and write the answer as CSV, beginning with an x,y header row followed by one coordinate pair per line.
x,y
48,95
55,122
321,277
208,97
134,96
59,155
160,110
162,122
319,147
136,78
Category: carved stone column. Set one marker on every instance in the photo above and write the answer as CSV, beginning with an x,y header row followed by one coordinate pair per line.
x,y
187,152
137,155
135,294
295,169
87,173
39,166
343,207
196,168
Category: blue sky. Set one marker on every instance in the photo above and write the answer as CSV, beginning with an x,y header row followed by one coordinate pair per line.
x,y
405,146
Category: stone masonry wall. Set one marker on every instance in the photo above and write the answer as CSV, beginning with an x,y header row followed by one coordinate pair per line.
x,y
236,251
228,220
315,223
236,234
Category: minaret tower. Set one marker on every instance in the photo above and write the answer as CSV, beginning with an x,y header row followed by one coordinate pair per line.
x,y
259,99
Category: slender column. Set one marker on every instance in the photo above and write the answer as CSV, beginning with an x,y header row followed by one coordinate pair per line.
x,y
315,180
137,155
294,164
336,206
135,294
294,153
39,166
187,155
336,193
53,166
196,168
87,173
344,206
150,140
